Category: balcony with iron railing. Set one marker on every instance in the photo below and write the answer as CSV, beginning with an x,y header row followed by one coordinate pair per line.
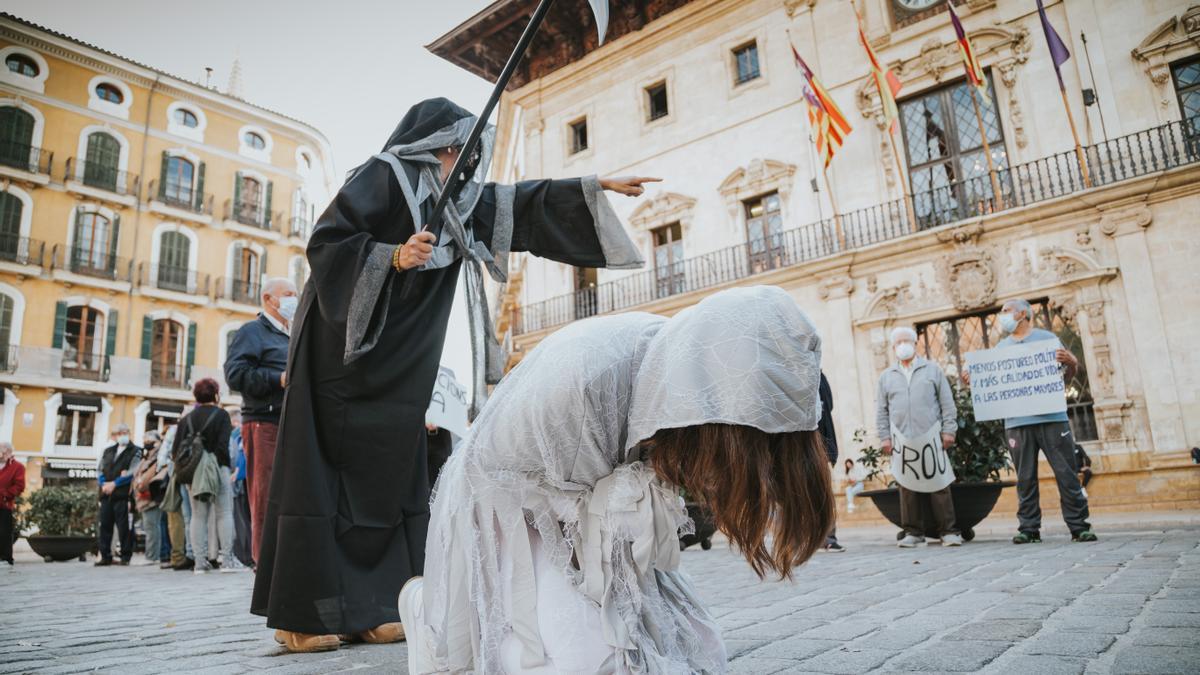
x,y
171,278
170,375
102,177
239,290
26,157
91,263
250,213
299,226
182,197
9,358
1138,154
22,250
84,366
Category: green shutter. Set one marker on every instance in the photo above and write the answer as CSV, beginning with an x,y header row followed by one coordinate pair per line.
x,y
267,207
110,346
200,188
112,242
191,350
237,190
60,324
162,175
262,273
147,336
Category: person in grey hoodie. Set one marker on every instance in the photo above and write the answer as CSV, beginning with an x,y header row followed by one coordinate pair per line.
x,y
913,396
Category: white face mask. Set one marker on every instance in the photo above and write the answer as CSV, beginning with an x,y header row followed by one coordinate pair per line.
x,y
1007,323
123,439
905,351
287,307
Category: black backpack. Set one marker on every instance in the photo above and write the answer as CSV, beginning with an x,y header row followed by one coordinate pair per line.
x,y
189,450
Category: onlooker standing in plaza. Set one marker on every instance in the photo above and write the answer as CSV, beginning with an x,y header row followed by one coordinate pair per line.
x,y
149,484
913,396
829,438
210,424
1050,433
241,503
115,476
852,478
12,484
255,367
177,508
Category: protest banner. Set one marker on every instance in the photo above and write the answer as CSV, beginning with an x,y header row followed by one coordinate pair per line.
x,y
920,463
448,405
1016,381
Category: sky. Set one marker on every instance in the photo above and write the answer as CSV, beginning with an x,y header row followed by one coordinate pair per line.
x,y
350,68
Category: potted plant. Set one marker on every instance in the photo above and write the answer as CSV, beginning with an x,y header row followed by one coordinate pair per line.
x,y
979,458
64,519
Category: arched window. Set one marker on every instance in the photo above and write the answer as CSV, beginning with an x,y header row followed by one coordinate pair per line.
x,y
22,65
16,137
109,92
83,339
254,140
186,118
174,250
95,243
248,195
244,286
103,161
10,226
177,181
7,358
166,353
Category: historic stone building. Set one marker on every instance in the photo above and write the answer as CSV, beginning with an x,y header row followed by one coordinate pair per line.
x,y
139,214
704,94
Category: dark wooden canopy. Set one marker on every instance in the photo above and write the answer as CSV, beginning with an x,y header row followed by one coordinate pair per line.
x,y
483,43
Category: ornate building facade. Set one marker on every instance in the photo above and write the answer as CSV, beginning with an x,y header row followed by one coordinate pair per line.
x,y
139,215
913,229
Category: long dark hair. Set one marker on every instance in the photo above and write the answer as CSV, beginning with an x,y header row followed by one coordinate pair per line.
x,y
755,484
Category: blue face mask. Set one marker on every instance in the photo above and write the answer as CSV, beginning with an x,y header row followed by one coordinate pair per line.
x,y
1007,323
287,307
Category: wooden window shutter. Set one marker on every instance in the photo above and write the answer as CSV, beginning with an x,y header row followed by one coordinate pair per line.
x,y
237,190
110,346
191,349
200,187
112,242
267,207
147,336
162,175
60,324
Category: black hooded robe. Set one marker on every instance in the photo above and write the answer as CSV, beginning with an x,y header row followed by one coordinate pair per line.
x,y
349,502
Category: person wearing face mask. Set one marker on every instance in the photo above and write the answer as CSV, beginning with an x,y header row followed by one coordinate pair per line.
x,y
256,367
115,476
914,395
1051,433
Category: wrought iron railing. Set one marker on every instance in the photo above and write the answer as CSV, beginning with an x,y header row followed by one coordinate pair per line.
x,y
171,278
84,366
181,197
26,157
101,176
9,358
250,213
167,375
298,226
92,263
239,290
22,250
1138,154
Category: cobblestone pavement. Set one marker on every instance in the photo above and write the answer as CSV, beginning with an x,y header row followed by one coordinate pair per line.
x,y
1129,603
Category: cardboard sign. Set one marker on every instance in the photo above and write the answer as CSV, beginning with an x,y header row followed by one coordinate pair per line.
x,y
1016,381
920,463
448,405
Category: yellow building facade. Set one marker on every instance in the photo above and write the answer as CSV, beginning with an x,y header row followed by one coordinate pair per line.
x,y
140,214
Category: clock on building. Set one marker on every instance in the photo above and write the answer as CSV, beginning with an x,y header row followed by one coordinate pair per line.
x,y
905,12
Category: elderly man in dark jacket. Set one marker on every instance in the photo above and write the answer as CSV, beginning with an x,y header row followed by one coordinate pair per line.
x,y
115,477
255,367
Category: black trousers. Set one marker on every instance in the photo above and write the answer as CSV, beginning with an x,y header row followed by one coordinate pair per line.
x,y
6,536
1056,441
941,510
115,512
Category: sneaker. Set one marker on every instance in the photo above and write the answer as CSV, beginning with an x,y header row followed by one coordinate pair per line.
x,y
1084,536
952,540
233,566
910,541
834,548
202,567
412,613
1027,538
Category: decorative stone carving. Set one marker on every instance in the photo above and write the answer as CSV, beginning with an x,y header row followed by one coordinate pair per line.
x,y
879,351
994,45
1174,38
872,284
969,271
794,7
1008,75
758,177
835,287
1126,220
1103,370
661,209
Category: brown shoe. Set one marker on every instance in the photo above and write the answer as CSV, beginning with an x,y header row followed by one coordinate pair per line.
x,y
303,643
379,635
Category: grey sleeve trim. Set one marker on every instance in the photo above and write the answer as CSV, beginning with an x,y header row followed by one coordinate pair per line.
x,y
620,253
502,231
371,282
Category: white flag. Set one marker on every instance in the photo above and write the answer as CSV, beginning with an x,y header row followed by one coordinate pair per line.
x,y
920,463
600,9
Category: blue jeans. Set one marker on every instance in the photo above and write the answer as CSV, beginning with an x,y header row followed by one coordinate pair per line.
x,y
152,527
187,520
164,534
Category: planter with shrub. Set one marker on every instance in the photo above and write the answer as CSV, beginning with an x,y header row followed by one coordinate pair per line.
x,y
64,522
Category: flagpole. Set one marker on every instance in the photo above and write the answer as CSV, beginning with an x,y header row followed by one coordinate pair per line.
x,y
1083,167
987,151
908,197
837,218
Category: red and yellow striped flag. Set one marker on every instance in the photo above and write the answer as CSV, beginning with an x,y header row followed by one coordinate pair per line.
x,y
885,80
828,123
974,71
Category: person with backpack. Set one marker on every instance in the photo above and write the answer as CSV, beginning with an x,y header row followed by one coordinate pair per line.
x,y
202,440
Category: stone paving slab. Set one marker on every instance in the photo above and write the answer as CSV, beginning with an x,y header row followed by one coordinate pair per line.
x,y
1129,603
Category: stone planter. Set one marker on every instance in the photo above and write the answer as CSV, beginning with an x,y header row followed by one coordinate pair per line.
x,y
57,548
972,503
704,528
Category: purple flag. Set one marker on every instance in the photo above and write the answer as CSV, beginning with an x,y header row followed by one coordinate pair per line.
x,y
1058,50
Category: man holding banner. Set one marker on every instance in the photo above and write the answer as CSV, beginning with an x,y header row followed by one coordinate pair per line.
x,y
1023,380
916,421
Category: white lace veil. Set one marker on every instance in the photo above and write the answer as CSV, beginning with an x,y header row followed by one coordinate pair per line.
x,y
745,356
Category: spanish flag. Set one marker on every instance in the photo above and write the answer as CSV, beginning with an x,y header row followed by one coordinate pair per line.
x,y
829,124
885,80
974,71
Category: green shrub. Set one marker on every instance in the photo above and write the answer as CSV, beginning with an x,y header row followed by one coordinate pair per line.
x,y
61,511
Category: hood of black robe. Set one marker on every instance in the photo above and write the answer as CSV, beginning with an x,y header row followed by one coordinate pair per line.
x,y
425,119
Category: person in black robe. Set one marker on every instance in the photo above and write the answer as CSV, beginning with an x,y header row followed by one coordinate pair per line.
x,y
349,500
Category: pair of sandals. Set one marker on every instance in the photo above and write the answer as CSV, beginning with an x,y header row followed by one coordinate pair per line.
x,y
303,643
